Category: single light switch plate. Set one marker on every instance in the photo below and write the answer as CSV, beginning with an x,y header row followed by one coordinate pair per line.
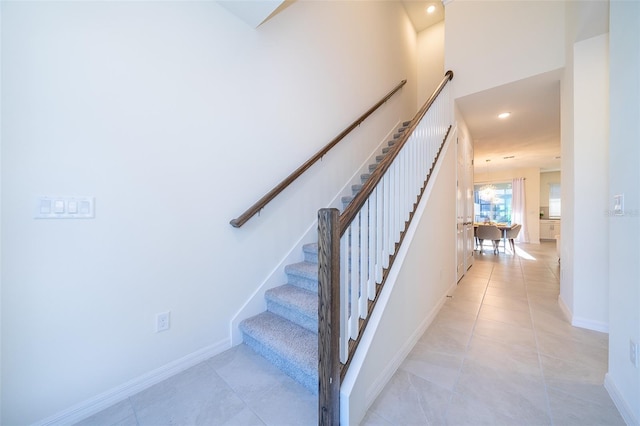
x,y
55,207
618,205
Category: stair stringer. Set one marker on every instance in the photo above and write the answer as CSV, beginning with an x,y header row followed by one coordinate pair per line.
x,y
406,306
256,302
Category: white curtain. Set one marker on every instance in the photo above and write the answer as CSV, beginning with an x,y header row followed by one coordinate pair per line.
x,y
518,209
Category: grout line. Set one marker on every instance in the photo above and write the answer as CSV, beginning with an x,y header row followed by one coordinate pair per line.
x,y
466,349
535,337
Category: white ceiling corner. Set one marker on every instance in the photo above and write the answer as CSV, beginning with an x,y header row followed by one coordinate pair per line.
x,y
416,10
253,12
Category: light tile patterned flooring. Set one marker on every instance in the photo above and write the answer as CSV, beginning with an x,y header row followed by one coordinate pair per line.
x,y
499,352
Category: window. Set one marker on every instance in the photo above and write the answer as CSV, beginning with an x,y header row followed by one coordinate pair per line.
x,y
492,202
554,200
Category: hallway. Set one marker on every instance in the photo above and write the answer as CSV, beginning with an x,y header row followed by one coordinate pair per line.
x,y
499,352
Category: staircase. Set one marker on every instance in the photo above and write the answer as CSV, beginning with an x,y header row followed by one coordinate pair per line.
x,y
287,332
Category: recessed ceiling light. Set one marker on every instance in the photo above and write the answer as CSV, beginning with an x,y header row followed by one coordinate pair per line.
x,y
431,9
504,115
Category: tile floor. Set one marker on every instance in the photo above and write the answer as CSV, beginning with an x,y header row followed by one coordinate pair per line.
x,y
499,353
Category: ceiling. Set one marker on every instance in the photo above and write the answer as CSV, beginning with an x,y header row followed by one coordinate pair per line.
x,y
416,9
530,137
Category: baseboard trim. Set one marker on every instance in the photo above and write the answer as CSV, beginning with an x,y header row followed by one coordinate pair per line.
x,y
565,309
600,326
620,403
378,385
590,324
106,399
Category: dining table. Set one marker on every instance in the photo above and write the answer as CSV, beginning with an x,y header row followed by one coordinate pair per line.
x,y
502,226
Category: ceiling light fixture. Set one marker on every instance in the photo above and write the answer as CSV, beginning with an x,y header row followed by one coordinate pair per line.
x,y
431,9
504,115
488,192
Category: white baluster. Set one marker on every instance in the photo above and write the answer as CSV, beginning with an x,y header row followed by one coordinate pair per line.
x,y
354,280
364,261
386,221
379,231
344,295
373,254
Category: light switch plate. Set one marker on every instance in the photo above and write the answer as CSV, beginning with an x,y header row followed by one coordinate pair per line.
x,y
618,205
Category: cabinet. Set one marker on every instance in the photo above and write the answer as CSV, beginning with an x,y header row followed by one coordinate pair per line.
x,y
549,229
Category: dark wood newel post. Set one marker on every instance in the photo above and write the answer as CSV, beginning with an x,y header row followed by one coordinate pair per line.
x,y
328,317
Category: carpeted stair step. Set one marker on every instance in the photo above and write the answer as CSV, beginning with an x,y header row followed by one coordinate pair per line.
x,y
286,334
310,252
295,304
290,347
303,274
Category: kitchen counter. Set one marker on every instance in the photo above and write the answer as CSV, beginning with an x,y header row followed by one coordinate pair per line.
x,y
549,228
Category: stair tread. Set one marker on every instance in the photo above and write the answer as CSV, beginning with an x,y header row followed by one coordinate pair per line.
x,y
292,296
304,269
310,248
310,252
294,343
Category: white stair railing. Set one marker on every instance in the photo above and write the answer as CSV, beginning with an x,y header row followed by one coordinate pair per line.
x,y
353,269
371,238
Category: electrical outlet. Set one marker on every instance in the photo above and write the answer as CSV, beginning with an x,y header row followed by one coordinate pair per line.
x,y
163,321
633,353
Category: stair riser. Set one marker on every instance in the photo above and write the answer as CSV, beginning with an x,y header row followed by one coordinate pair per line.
x,y
310,253
311,257
303,282
308,381
293,315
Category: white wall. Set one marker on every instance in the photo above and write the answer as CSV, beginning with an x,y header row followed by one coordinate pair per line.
x,y
413,294
176,116
567,165
589,307
547,178
491,43
530,230
430,58
623,379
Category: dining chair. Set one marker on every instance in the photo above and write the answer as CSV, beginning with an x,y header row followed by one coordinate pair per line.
x,y
489,232
511,235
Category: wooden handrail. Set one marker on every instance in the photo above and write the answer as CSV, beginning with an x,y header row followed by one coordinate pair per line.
x,y
358,201
262,202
